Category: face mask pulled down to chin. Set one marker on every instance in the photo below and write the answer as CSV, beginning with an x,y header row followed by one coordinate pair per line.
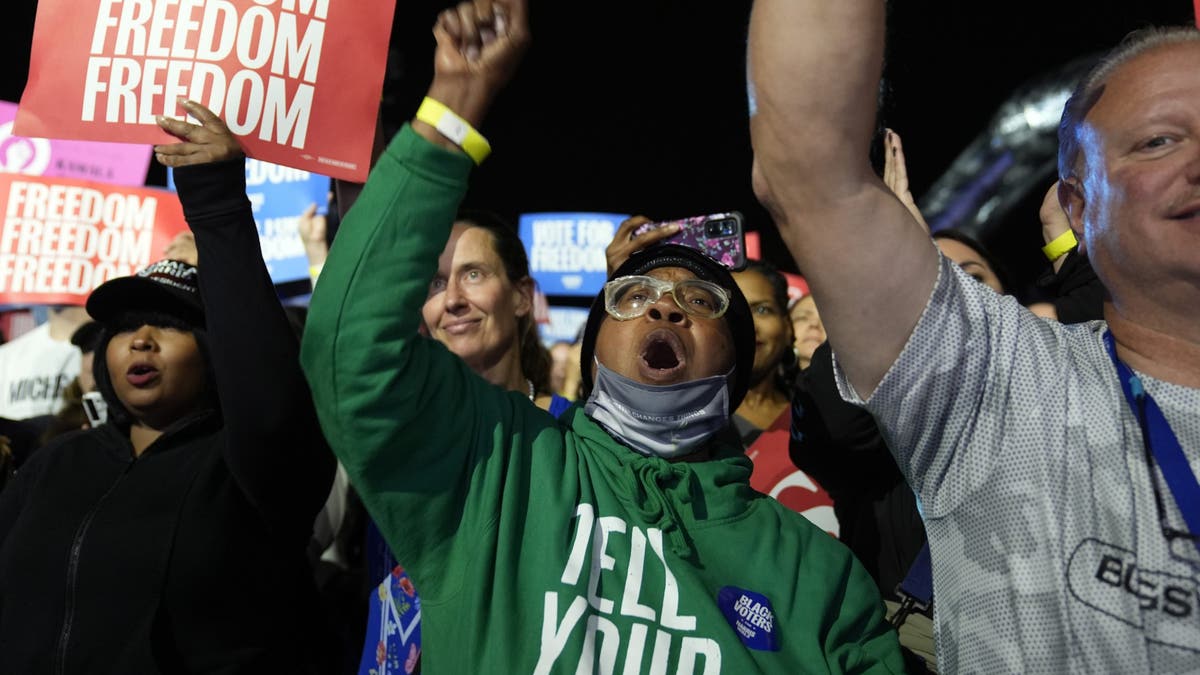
x,y
668,421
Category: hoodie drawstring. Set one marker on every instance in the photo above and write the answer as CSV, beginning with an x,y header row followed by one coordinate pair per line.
x,y
658,508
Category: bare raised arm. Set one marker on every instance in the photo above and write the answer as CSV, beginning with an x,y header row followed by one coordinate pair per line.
x,y
814,72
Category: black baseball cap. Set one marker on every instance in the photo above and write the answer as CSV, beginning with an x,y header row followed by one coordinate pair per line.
x,y
168,286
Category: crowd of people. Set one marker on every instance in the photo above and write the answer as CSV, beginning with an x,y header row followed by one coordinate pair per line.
x,y
718,476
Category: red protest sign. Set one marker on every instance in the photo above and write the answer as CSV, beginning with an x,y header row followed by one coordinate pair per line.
x,y
298,81
61,238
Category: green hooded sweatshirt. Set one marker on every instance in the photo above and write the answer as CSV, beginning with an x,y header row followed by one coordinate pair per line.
x,y
542,545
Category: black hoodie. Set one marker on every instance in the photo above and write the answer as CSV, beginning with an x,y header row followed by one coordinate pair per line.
x,y
191,557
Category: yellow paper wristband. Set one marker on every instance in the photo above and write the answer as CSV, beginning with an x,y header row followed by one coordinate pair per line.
x,y
314,271
454,128
1061,245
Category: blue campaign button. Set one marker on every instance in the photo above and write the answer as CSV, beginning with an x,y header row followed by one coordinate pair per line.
x,y
751,616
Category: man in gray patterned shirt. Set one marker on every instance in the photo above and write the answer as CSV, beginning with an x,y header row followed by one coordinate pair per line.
x,y
1057,544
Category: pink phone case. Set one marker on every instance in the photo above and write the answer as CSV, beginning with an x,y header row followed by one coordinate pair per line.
x,y
720,236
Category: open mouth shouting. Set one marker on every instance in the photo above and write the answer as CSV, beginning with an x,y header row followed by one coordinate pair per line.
x,y
661,357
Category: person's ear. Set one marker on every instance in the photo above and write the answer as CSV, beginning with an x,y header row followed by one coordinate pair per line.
x,y
1073,200
523,291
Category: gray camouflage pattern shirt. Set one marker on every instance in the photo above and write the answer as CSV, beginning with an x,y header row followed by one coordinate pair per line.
x,y
1048,553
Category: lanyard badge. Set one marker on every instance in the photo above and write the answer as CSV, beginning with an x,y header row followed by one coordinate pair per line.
x,y
1162,448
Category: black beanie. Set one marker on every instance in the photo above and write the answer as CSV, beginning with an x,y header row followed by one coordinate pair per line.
x,y
741,323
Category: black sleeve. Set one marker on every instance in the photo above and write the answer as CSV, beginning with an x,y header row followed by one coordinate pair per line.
x,y
24,435
837,443
274,446
12,499
1078,292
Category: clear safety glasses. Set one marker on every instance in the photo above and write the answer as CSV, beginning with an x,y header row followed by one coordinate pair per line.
x,y
629,297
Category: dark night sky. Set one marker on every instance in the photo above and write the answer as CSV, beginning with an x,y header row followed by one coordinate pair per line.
x,y
640,107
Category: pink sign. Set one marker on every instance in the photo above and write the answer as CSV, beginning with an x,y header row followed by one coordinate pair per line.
x,y
797,287
753,246
298,81
60,238
112,163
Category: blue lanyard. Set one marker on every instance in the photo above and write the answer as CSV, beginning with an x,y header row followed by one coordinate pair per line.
x,y
1161,443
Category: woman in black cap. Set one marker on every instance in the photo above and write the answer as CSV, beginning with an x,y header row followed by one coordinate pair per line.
x,y
172,537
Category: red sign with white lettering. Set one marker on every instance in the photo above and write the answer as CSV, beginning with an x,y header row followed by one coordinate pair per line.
x,y
60,238
298,81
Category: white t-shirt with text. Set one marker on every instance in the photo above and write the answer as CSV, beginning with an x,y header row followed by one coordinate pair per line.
x,y
34,370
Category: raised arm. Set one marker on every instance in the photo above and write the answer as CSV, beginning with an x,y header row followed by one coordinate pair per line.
x,y
1078,293
814,70
417,431
364,318
274,446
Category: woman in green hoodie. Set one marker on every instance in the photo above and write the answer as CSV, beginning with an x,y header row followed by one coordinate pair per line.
x,y
623,536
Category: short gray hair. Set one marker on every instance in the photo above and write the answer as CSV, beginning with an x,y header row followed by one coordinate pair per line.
x,y
1090,88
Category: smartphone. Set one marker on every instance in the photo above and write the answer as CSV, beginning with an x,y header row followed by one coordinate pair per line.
x,y
95,408
720,236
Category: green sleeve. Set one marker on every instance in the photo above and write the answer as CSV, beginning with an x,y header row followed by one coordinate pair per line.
x,y
415,428
859,639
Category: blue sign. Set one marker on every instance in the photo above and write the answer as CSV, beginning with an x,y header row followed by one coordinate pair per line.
x,y
566,250
279,195
564,325
393,641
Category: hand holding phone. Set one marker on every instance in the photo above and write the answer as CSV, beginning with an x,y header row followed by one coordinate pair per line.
x,y
624,243
720,236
